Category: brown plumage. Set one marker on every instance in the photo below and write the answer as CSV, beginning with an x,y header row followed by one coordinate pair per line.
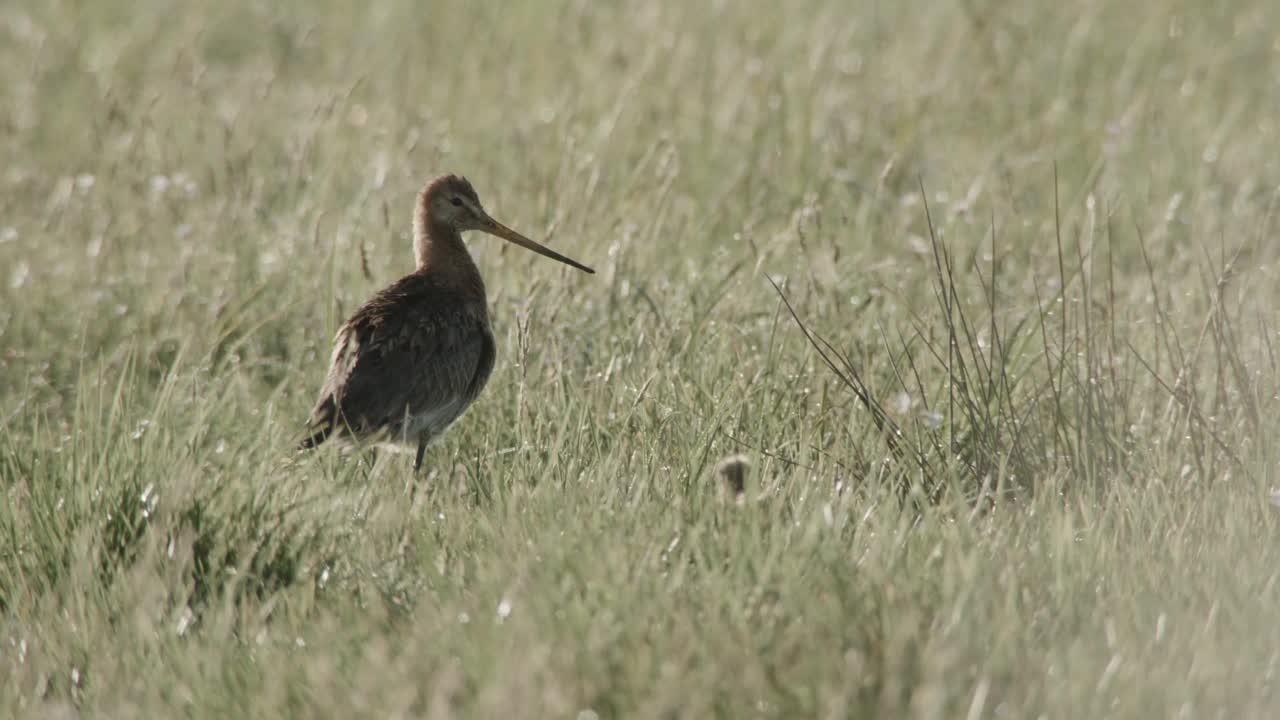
x,y
413,358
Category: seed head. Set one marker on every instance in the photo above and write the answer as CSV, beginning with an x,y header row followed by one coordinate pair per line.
x,y
731,473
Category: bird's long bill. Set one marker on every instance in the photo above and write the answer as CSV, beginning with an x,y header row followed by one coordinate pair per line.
x,y
493,227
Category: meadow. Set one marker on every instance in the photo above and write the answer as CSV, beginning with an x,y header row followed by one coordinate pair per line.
x,y
984,290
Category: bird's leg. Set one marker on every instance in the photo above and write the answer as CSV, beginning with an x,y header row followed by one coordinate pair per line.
x,y
422,449
417,466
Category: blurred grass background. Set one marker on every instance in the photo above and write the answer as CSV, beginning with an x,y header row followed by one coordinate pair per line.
x,y
1040,234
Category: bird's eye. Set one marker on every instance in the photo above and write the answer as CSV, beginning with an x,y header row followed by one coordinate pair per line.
x,y
457,201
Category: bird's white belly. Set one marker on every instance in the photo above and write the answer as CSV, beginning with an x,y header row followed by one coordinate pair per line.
x,y
432,423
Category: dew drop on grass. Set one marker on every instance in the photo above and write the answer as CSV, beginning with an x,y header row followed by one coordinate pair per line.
x,y
901,403
188,186
20,275
184,621
148,500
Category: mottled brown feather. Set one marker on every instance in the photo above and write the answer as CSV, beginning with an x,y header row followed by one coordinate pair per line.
x,y
408,362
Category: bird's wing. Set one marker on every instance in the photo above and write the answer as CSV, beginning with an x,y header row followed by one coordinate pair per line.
x,y
407,351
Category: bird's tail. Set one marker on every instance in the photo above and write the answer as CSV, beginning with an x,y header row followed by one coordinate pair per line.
x,y
321,424
314,439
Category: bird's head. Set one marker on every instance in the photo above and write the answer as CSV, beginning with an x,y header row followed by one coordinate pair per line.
x,y
451,202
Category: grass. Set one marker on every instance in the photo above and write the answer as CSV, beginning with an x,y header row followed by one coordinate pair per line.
x,y
985,291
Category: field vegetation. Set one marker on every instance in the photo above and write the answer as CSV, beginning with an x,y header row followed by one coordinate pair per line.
x,y
985,291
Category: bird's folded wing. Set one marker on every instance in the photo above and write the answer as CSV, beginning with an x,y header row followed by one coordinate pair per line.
x,y
392,364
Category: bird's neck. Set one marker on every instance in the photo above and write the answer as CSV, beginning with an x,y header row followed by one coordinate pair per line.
x,y
439,251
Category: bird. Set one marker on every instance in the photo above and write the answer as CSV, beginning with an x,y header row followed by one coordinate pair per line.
x,y
414,357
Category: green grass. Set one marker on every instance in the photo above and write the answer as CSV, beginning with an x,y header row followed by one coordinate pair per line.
x,y
1035,240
